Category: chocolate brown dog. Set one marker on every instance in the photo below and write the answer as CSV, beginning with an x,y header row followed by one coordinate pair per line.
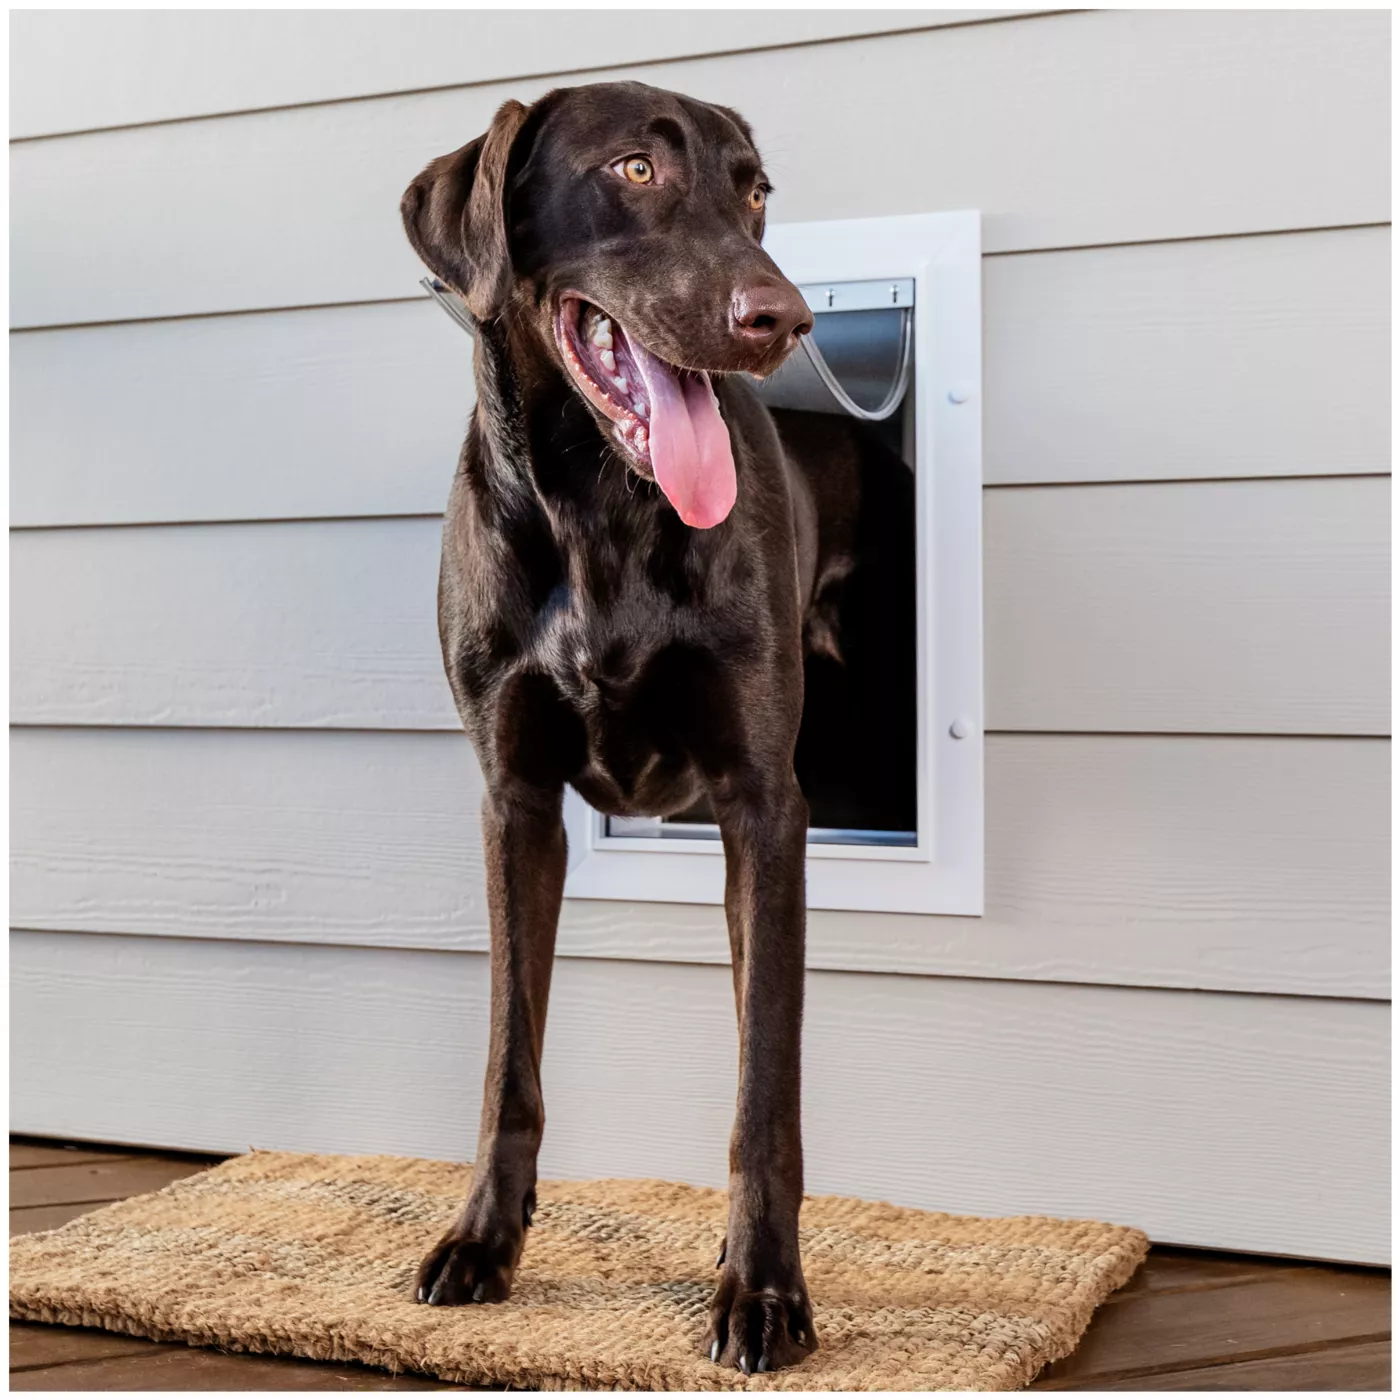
x,y
634,561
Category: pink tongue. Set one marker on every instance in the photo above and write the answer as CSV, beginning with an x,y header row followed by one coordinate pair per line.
x,y
690,451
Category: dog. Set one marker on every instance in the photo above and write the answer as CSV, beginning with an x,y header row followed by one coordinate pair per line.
x,y
640,565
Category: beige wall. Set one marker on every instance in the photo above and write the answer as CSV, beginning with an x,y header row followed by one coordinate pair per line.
x,y
244,854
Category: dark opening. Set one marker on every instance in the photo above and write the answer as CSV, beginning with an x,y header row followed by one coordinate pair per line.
x,y
857,749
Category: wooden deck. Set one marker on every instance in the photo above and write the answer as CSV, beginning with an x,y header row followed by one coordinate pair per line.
x,y
1189,1320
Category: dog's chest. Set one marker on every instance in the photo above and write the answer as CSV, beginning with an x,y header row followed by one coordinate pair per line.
x,y
621,593
606,664
593,656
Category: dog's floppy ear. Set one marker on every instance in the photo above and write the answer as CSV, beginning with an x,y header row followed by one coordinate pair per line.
x,y
454,214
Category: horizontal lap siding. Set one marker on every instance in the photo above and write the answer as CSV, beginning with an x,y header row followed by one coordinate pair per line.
x,y
1244,864
1229,607
1125,126
1244,607
116,68
307,623
347,410
1183,1115
1240,357
1221,358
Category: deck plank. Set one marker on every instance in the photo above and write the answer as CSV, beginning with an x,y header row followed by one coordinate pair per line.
x,y
1363,1366
186,1368
1138,1335
1169,1270
36,1344
24,1155
99,1181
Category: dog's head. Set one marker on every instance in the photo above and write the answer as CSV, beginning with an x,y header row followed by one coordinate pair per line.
x,y
621,226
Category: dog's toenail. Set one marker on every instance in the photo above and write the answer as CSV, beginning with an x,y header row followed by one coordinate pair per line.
x,y
714,1350
744,1362
422,1295
478,1293
763,1363
801,1336
435,1294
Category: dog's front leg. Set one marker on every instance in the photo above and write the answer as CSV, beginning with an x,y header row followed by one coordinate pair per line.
x,y
523,837
760,1315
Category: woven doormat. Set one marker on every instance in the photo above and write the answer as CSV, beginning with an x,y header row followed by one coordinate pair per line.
x,y
315,1257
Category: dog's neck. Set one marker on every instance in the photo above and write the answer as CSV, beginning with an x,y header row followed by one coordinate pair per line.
x,y
500,418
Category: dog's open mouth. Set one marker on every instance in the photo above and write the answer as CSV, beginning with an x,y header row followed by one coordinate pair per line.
x,y
665,419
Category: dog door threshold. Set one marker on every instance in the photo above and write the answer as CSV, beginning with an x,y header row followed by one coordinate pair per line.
x,y
656,828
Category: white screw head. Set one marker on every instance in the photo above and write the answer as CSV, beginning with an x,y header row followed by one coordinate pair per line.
x,y
959,393
960,729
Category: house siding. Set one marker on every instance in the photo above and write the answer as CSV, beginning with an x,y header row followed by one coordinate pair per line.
x,y
244,845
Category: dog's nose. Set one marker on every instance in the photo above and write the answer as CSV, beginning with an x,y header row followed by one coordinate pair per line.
x,y
762,316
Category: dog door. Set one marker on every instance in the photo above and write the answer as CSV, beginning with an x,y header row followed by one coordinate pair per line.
x,y
889,755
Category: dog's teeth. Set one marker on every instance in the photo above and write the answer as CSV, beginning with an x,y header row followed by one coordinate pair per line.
x,y
608,360
602,334
621,382
638,406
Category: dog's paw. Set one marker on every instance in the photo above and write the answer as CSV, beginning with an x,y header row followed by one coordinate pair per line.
x,y
463,1269
759,1330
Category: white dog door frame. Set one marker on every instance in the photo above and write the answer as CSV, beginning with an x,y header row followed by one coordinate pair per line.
x,y
941,873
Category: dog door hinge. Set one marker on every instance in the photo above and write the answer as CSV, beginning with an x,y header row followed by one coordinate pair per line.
x,y
875,294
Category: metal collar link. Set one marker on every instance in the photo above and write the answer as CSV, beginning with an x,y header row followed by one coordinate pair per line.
x,y
450,303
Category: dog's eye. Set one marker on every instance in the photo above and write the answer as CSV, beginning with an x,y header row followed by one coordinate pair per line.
x,y
758,197
638,169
